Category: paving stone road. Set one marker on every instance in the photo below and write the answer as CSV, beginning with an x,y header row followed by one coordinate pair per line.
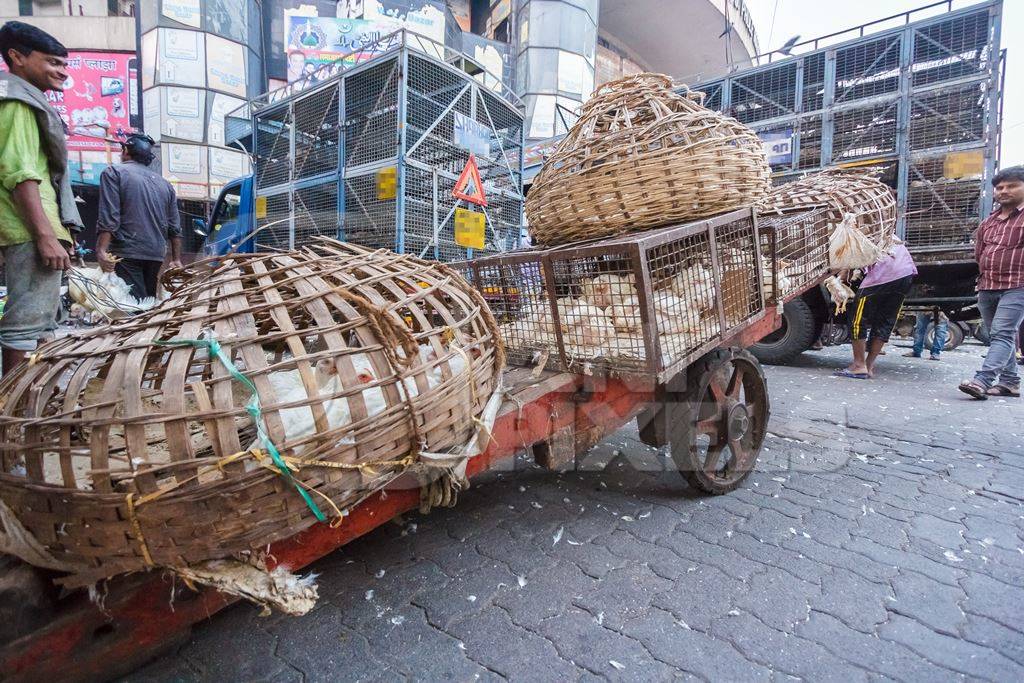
x,y
882,537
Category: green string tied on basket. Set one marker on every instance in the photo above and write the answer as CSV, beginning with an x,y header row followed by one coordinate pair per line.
x,y
252,407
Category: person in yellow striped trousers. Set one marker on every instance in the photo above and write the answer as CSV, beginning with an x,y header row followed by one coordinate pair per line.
x,y
877,308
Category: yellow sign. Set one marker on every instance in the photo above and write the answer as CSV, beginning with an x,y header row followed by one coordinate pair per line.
x,y
261,207
963,164
469,229
387,183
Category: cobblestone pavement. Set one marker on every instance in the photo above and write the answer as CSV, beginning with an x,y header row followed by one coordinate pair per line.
x,y
882,537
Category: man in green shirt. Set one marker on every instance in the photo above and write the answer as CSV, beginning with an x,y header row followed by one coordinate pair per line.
x,y
34,236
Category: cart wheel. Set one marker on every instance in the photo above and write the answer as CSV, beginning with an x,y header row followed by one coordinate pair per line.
x,y
720,427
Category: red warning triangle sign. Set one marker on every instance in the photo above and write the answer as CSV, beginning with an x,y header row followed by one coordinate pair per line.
x,y
469,186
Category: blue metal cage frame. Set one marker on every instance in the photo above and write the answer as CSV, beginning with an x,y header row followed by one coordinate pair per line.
x,y
918,102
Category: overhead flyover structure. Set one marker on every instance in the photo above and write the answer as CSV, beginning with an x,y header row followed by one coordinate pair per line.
x,y
369,149
914,97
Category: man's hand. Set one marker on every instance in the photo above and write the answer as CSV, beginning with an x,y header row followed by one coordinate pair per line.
x,y
173,263
53,253
106,261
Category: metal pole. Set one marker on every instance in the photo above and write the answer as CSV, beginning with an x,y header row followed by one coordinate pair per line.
x,y
403,91
903,112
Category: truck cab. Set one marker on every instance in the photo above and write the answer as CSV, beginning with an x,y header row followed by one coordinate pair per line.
x,y
233,221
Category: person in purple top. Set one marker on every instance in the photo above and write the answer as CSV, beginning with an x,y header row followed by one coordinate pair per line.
x,y
877,308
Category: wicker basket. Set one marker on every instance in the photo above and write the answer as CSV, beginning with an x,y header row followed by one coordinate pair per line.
x,y
120,452
643,156
842,192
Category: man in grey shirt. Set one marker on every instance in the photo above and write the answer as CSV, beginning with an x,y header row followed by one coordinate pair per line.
x,y
138,218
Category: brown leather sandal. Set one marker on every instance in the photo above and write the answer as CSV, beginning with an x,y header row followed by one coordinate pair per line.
x,y
974,389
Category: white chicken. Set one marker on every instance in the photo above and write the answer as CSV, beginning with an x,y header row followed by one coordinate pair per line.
x,y
840,293
625,315
695,285
785,282
588,325
604,290
104,293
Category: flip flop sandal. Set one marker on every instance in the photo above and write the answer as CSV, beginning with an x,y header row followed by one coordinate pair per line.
x,y
1002,390
851,375
974,390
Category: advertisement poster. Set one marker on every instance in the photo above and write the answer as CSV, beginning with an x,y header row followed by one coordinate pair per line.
x,y
228,18
183,11
314,41
182,57
222,106
97,104
225,166
225,66
425,17
472,135
185,167
183,113
778,145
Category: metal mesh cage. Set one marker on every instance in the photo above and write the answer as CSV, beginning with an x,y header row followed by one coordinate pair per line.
x,y
794,251
911,91
373,150
643,305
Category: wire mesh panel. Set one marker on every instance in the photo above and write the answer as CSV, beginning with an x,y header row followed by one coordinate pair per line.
x,y
943,206
273,147
809,131
371,113
369,219
316,212
814,82
516,291
273,230
794,251
948,117
953,49
865,132
317,126
764,94
868,69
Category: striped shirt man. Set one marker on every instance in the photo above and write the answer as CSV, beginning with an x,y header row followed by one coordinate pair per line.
x,y
999,251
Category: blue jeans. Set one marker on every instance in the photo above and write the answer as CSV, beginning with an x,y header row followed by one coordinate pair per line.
x,y
921,329
1003,311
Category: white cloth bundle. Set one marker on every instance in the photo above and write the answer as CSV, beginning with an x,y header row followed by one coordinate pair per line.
x,y
849,248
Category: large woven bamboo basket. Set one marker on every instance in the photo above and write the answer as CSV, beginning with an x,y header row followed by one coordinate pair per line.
x,y
138,445
843,192
642,156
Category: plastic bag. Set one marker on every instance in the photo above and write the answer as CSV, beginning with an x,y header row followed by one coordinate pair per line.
x,y
849,248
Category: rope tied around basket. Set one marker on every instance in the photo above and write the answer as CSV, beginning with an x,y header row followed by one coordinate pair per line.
x,y
255,410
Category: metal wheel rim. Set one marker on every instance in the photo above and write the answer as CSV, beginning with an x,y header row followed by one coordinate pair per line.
x,y
734,387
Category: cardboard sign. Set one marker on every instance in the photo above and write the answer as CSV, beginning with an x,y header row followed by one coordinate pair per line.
x,y
387,183
469,186
469,229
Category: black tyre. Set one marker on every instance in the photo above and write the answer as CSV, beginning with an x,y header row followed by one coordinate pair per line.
x,y
717,432
799,330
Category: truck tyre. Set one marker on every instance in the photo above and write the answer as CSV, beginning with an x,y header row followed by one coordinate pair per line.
x,y
797,334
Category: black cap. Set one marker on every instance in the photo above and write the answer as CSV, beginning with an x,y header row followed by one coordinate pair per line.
x,y
140,146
